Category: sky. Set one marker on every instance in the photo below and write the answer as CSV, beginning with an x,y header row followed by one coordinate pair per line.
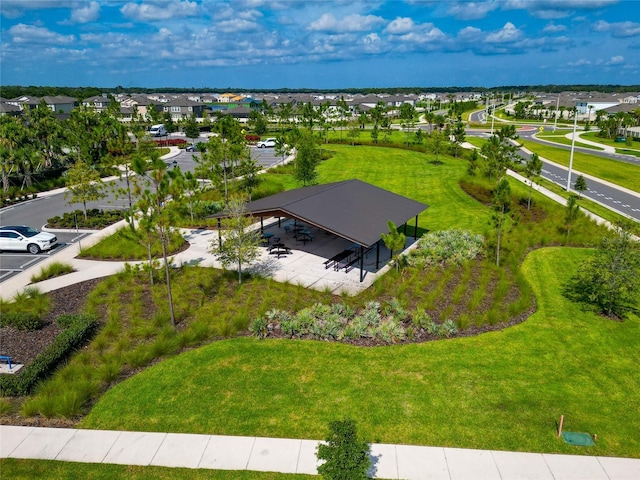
x,y
322,44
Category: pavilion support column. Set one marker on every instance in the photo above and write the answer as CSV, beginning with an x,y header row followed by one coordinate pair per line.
x,y
219,235
361,262
261,224
377,254
415,230
278,222
404,229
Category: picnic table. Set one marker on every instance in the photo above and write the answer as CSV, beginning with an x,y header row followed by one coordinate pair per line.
x,y
337,260
266,238
304,236
279,249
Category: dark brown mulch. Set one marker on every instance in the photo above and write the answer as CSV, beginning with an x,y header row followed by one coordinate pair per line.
x,y
23,347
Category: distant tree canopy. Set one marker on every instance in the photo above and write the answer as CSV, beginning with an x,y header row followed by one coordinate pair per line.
x,y
11,91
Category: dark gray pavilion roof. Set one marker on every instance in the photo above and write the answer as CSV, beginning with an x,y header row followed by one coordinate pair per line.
x,y
351,209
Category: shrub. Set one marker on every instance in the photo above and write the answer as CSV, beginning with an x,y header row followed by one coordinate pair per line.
x,y
26,321
346,457
259,328
446,247
44,364
52,270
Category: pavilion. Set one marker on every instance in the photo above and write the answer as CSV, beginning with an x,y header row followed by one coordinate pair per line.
x,y
351,209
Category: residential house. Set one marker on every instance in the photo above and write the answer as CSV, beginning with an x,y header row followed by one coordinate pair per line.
x,y
181,108
98,102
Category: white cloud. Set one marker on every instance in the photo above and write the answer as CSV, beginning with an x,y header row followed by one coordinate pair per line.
x,y
88,13
470,34
400,25
472,10
553,28
616,60
27,34
351,23
236,25
160,10
17,8
618,29
580,63
509,33
551,9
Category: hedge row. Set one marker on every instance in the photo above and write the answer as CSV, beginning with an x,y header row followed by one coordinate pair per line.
x,y
171,142
27,321
80,330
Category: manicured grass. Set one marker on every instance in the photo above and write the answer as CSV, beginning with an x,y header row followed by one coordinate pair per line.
x,y
414,175
560,138
135,248
503,390
18,469
593,136
621,173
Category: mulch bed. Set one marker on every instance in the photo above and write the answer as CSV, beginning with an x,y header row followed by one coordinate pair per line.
x,y
23,347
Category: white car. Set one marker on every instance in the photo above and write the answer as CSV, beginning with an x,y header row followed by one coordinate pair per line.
x,y
26,239
267,142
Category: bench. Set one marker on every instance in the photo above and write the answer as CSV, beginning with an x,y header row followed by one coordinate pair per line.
x,y
350,265
7,359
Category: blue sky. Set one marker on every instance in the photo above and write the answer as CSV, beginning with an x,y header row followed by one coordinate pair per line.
x,y
269,44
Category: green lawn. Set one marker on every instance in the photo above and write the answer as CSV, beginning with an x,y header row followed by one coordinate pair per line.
x,y
18,469
503,390
621,173
560,138
413,175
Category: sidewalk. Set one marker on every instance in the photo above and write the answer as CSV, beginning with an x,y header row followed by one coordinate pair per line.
x,y
283,455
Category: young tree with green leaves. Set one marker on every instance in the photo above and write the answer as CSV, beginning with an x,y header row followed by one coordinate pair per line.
x,y
191,128
580,186
609,279
13,138
436,143
500,152
501,204
346,456
164,188
83,185
394,241
473,163
353,134
458,136
307,158
407,118
532,171
240,244
571,212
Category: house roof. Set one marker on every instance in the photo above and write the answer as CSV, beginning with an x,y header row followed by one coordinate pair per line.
x,y
351,209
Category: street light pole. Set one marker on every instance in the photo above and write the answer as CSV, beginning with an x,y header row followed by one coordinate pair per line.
x,y
573,144
493,116
555,124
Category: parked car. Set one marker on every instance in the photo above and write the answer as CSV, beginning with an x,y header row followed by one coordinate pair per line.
x,y
26,239
191,148
267,142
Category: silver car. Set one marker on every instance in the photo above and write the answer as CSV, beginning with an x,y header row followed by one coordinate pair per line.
x,y
25,239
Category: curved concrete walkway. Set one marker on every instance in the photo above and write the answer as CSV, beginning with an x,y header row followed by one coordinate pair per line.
x,y
605,148
284,455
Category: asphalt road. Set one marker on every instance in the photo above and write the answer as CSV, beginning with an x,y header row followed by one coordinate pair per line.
x,y
599,191
35,213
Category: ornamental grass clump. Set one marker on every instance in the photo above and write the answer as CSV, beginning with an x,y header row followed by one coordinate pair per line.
x,y
447,247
